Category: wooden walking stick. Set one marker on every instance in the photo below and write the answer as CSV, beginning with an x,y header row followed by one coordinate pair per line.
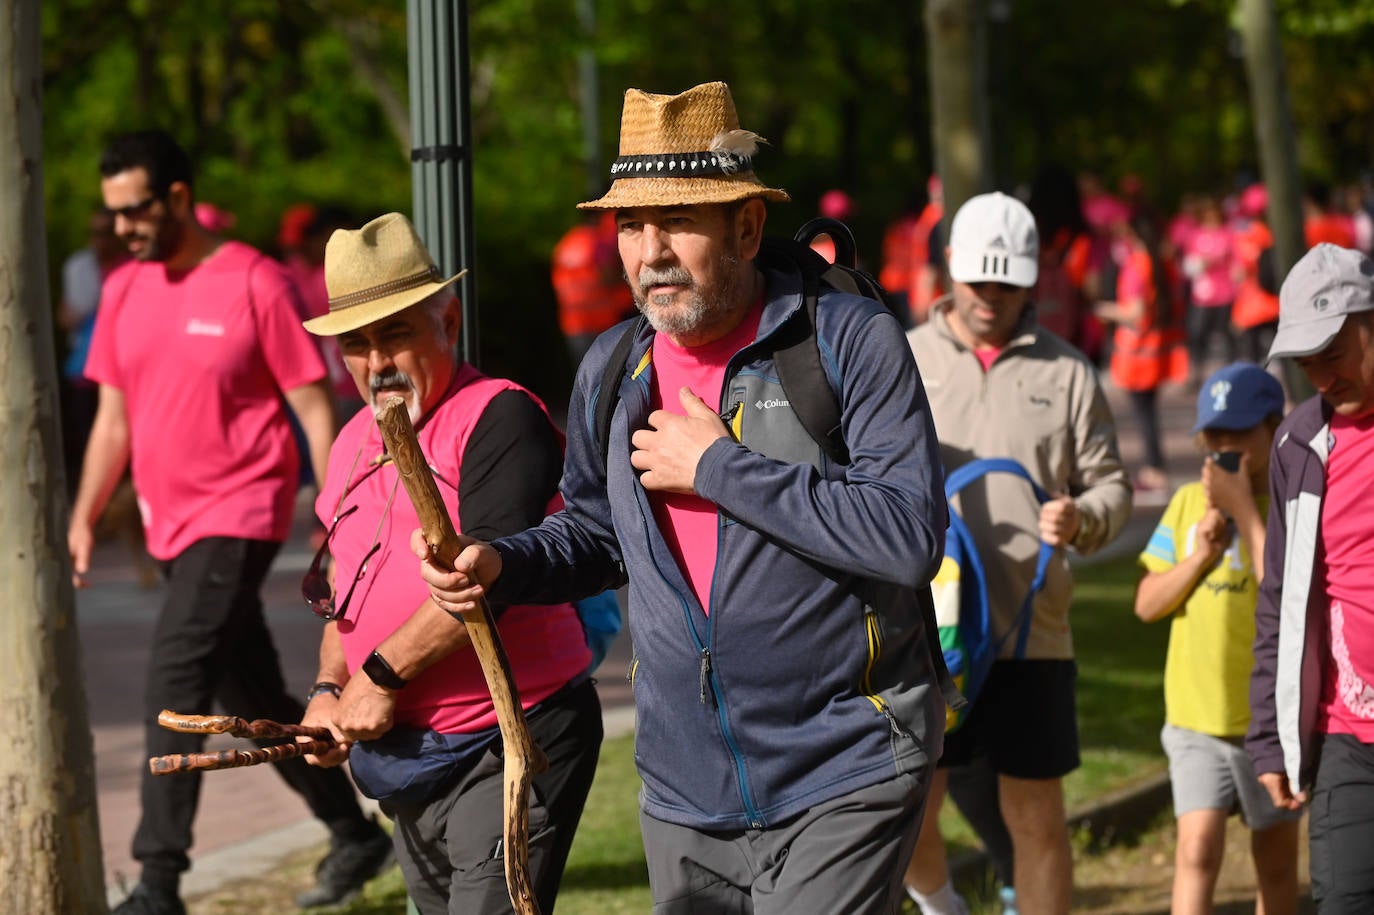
x,y
236,727
234,759
322,740
523,758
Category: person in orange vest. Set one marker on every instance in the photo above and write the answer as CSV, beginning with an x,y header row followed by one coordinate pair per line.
x,y
592,296
927,281
1321,223
1072,256
1255,314
1148,343
899,256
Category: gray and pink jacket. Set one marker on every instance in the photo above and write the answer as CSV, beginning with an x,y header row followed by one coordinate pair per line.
x,y
1290,618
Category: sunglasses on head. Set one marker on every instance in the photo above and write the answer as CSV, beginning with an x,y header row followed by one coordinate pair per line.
x,y
315,585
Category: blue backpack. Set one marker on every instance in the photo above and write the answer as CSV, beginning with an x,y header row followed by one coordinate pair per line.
x,y
961,598
601,623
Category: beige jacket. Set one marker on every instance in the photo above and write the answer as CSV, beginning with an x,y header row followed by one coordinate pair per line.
x,y
1040,404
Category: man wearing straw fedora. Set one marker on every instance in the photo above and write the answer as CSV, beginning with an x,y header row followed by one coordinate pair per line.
x,y
398,683
787,712
197,343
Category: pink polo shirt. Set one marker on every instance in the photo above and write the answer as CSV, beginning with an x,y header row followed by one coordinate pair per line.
x,y
546,645
690,523
1347,535
202,359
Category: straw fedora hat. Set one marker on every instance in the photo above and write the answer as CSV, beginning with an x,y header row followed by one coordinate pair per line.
x,y
374,272
683,149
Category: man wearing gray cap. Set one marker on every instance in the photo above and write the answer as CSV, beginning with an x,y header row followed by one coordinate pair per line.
x,y
1311,731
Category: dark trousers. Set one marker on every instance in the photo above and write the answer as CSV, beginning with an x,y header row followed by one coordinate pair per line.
x,y
450,847
1341,828
1255,342
212,642
974,790
1203,323
1146,412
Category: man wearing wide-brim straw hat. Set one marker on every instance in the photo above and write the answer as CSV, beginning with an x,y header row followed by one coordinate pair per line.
x,y
398,684
787,713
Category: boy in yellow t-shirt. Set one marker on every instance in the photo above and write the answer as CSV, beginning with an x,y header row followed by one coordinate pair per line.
x,y
1202,570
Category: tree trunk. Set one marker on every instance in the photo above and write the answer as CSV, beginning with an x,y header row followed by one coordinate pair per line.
x,y
956,42
1278,148
50,855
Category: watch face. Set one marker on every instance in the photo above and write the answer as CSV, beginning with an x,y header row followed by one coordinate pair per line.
x,y
381,673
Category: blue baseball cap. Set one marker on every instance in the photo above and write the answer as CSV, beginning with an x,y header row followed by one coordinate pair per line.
x,y
1238,396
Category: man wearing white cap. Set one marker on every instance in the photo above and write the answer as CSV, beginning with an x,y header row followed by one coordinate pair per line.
x,y
398,683
1002,387
1312,689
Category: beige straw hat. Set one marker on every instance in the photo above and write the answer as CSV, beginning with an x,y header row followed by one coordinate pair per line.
x,y
683,149
374,272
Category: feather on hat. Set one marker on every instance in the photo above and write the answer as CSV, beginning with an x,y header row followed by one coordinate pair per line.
x,y
683,149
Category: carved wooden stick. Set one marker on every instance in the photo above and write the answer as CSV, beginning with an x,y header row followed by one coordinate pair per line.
x,y
523,758
233,759
236,727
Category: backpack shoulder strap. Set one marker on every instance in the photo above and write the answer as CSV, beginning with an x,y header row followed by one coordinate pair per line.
x,y
609,393
798,358
973,470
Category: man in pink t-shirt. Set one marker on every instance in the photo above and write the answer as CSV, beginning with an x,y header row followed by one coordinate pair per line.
x,y
196,344
1312,690
398,682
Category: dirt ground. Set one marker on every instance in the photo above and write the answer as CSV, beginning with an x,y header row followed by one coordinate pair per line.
x,y
1135,878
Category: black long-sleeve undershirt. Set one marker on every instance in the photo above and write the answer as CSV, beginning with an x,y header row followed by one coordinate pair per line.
x,y
510,468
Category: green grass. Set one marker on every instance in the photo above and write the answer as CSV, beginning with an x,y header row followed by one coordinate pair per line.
x,y
1120,711
1120,690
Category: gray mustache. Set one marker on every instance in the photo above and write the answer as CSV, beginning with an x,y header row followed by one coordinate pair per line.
x,y
391,379
672,276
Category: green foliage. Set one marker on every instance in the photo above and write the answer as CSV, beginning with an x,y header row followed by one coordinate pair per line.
x,y
282,102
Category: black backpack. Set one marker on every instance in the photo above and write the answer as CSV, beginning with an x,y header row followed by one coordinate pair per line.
x,y
798,361
797,357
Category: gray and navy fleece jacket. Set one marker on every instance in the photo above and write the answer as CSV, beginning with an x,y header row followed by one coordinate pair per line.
x,y
811,677
1290,617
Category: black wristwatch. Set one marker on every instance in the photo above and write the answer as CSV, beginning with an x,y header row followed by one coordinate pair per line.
x,y
381,673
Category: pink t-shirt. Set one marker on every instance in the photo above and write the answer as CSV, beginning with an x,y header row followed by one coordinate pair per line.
x,y
309,280
545,644
690,523
987,355
1208,259
1347,535
202,359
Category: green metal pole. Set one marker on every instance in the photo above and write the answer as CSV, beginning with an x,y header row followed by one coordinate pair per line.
x,y
441,148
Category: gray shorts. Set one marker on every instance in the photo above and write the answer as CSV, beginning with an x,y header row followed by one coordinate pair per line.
x,y
1212,773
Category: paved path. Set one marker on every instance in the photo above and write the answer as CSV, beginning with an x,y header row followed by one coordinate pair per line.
x,y
247,818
